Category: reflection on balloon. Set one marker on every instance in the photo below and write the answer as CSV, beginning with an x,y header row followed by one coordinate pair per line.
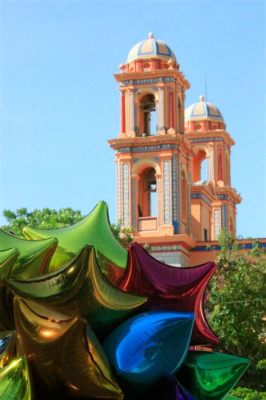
x,y
34,255
212,375
65,355
15,381
147,347
7,347
90,325
80,289
7,260
171,288
93,230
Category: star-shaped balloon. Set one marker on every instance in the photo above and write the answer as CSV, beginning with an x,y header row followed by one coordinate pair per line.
x,y
93,230
170,288
7,260
79,289
7,347
15,383
149,346
210,375
65,355
84,330
34,255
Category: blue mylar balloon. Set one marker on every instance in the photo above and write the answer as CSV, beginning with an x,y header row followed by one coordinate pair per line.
x,y
149,346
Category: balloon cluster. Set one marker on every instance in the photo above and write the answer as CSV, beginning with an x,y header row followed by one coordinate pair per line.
x,y
83,318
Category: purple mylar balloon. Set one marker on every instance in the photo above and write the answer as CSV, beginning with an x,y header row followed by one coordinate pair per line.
x,y
170,288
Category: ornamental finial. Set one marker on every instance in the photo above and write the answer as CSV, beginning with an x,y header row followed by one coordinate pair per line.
x,y
202,98
150,35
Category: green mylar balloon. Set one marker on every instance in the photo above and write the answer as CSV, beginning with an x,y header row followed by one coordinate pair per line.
x,y
65,356
79,289
34,256
7,260
210,376
7,347
93,230
15,381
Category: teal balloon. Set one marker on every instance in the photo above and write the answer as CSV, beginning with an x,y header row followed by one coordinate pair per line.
x,y
150,346
210,376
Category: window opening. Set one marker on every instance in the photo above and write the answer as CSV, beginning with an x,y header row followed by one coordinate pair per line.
x,y
147,206
204,171
148,113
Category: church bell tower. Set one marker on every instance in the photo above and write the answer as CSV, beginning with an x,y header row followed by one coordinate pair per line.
x,y
161,152
152,152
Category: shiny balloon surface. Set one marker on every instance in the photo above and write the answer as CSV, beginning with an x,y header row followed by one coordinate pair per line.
x,y
93,230
83,318
211,375
150,346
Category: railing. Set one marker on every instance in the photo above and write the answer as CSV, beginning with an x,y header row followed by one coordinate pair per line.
x,y
147,223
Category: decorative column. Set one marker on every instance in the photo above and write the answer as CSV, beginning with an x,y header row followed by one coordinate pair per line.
x,y
131,111
159,201
119,210
134,201
122,113
167,192
175,194
171,110
211,164
125,193
224,217
217,223
220,165
160,110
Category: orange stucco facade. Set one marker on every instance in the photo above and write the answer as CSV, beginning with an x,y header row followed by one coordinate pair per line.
x,y
173,164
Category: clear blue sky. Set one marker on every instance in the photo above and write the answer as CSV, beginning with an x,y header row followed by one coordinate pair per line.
x,y
60,103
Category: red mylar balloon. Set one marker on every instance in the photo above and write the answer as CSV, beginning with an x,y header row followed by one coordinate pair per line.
x,y
170,288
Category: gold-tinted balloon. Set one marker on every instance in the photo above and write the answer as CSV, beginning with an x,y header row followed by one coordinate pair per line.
x,y
15,381
7,260
79,289
93,230
65,355
34,256
7,347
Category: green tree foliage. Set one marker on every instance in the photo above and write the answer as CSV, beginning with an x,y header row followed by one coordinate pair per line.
x,y
49,219
237,306
122,234
248,394
43,219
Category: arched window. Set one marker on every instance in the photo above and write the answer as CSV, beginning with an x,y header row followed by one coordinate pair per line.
x,y
200,167
147,206
147,109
